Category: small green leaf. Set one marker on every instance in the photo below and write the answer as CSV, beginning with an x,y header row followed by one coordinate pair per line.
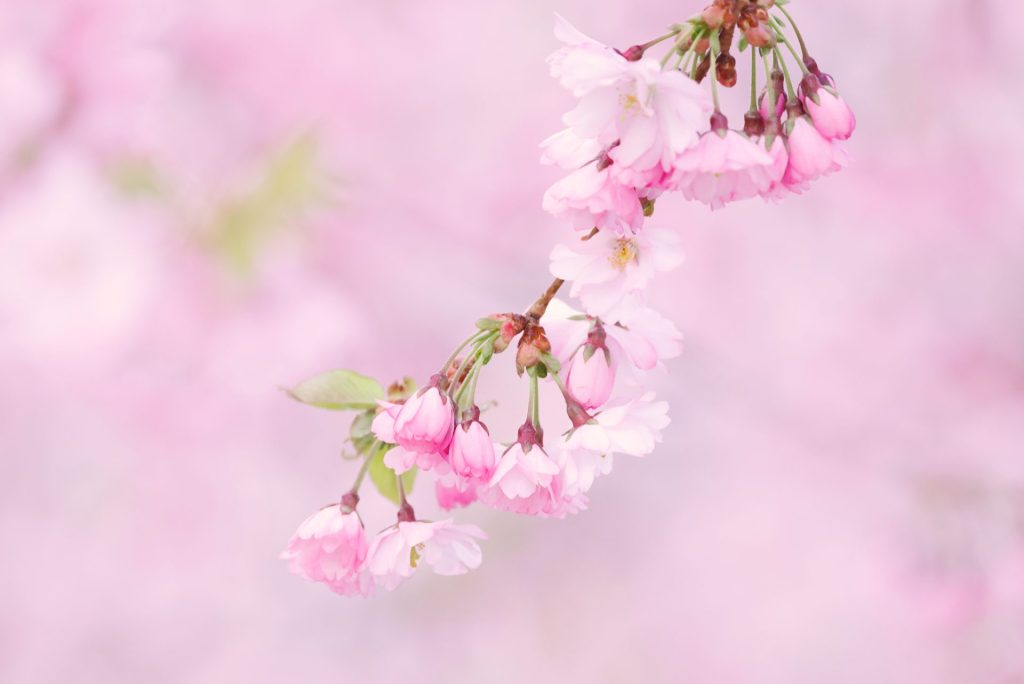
x,y
743,43
339,390
384,478
360,433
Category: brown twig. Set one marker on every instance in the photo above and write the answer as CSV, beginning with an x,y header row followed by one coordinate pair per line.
x,y
538,308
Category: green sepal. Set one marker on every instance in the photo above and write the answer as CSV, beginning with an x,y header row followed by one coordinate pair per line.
x,y
549,361
488,324
743,43
339,390
384,478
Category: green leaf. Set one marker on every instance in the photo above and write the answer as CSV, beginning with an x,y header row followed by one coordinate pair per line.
x,y
339,390
360,433
384,478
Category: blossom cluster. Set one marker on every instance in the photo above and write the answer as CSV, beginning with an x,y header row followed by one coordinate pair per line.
x,y
637,130
642,126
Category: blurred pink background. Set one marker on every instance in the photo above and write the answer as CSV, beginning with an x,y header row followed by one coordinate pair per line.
x,y
203,201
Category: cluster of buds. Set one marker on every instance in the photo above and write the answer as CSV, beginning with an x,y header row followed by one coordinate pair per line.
x,y
637,131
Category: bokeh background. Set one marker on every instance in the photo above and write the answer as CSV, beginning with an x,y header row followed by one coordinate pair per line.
x,y
203,201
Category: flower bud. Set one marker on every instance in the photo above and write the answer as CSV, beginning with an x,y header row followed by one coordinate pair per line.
x,y
590,376
426,421
713,16
633,53
725,70
532,346
472,450
759,36
831,115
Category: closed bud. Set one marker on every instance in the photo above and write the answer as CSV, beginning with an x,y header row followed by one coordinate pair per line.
x,y
713,16
633,54
759,36
725,70
532,346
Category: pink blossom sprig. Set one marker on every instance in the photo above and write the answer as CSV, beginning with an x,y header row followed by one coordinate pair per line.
x,y
641,127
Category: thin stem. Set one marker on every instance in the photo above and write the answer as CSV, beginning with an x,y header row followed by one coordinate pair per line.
x,y
469,340
674,50
753,78
715,48
361,475
470,358
661,39
782,39
772,97
796,29
534,410
785,71
698,36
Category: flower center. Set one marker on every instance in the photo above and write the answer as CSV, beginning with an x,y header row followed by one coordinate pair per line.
x,y
623,252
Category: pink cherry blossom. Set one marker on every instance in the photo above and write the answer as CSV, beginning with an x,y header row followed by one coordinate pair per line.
x,y
330,546
640,333
426,421
631,427
590,375
831,115
725,166
449,549
810,154
607,268
570,151
581,467
400,459
454,491
650,114
591,197
471,453
779,153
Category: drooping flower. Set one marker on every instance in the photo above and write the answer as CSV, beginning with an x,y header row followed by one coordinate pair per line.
x,y
591,197
810,154
472,450
724,166
449,549
527,481
632,427
453,491
640,334
330,546
607,268
426,421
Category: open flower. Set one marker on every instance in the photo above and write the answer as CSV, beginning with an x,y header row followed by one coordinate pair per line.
x,y
607,268
330,547
725,166
632,427
449,549
650,114
591,197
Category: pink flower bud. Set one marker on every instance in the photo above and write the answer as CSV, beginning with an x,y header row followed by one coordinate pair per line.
x,y
426,421
831,115
472,450
590,380
810,154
